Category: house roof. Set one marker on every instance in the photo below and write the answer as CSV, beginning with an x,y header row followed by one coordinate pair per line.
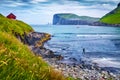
x,y
11,14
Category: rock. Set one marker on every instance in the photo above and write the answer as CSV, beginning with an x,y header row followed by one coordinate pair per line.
x,y
63,49
73,59
48,52
58,57
104,24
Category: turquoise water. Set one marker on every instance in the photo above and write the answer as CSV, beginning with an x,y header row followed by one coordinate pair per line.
x,y
101,44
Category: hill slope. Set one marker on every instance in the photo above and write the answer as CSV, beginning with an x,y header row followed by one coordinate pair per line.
x,y
17,62
112,17
8,25
72,19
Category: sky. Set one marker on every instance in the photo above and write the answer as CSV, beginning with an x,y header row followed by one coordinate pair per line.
x,y
42,11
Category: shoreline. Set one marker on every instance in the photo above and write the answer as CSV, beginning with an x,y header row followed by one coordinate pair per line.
x,y
82,70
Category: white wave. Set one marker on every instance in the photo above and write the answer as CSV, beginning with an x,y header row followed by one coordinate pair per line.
x,y
97,36
86,35
106,62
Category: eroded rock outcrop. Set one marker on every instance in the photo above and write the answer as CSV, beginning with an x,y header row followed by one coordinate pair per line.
x,y
35,41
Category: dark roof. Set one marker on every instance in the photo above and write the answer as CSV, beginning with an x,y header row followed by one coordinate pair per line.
x,y
11,14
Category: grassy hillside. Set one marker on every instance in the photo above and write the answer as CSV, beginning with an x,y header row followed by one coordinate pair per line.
x,y
8,25
74,16
17,62
113,17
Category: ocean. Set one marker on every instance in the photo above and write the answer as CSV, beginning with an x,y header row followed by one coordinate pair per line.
x,y
96,44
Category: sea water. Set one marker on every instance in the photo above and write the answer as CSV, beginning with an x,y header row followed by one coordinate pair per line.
x,y
101,44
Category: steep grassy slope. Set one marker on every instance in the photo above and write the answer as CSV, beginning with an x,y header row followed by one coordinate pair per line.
x,y
7,25
17,62
113,17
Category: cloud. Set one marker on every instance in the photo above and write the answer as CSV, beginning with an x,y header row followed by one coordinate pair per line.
x,y
38,1
104,0
16,4
42,11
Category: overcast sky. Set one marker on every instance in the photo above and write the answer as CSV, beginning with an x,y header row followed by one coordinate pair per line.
x,y
42,11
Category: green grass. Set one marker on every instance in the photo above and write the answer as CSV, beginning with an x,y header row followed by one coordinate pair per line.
x,y
112,18
17,62
8,25
68,15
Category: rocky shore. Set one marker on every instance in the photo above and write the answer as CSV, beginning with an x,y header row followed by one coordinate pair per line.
x,y
36,40
83,70
104,24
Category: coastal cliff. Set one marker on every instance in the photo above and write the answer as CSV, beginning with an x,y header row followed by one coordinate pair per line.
x,y
110,19
72,19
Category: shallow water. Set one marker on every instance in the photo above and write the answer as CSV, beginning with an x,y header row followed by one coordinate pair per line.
x,y
101,44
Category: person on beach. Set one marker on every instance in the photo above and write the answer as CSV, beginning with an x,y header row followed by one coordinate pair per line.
x,y
83,51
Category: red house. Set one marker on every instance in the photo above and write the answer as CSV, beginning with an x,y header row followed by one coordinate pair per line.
x,y
11,16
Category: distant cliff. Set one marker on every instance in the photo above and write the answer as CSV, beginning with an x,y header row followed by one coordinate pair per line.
x,y
72,19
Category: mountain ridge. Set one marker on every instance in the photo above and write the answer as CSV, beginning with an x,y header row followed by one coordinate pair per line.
x,y
72,19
